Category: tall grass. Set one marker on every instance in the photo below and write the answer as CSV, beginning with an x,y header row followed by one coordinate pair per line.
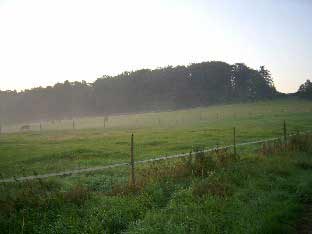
x,y
205,193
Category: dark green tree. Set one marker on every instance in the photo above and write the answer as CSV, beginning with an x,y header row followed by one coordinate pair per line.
x,y
197,84
305,90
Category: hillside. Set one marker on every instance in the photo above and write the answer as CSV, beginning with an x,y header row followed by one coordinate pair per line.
x,y
60,147
264,188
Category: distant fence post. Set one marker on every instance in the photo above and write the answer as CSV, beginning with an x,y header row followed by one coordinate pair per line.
x,y
234,140
105,120
132,162
285,131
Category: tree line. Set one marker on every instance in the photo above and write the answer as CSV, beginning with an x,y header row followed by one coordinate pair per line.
x,y
198,84
305,90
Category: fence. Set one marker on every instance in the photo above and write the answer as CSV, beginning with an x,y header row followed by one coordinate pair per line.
x,y
132,162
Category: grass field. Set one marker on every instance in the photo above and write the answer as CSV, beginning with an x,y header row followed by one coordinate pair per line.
x,y
265,193
262,191
57,148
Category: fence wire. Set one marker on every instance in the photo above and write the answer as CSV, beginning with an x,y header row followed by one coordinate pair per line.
x,y
100,168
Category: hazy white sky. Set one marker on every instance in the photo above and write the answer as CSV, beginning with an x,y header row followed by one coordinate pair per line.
x,y
43,42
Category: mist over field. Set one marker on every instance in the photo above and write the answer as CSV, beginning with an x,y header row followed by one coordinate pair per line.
x,y
166,88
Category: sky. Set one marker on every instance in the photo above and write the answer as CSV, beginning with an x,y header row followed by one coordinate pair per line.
x,y
43,42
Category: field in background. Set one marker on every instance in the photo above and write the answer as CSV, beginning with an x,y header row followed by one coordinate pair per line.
x,y
173,118
58,147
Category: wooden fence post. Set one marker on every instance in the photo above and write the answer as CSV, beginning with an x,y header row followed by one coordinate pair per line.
x,y
105,120
285,131
132,162
234,140
190,162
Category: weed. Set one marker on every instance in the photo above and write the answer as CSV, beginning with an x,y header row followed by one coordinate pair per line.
x,y
224,157
296,143
211,187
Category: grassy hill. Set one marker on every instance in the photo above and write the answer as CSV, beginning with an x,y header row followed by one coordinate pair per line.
x,y
58,147
262,190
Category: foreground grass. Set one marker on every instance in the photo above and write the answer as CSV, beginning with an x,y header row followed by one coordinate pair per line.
x,y
251,196
262,193
57,149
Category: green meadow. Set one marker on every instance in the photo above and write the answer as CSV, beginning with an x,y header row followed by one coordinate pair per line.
x,y
268,191
265,188
58,147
